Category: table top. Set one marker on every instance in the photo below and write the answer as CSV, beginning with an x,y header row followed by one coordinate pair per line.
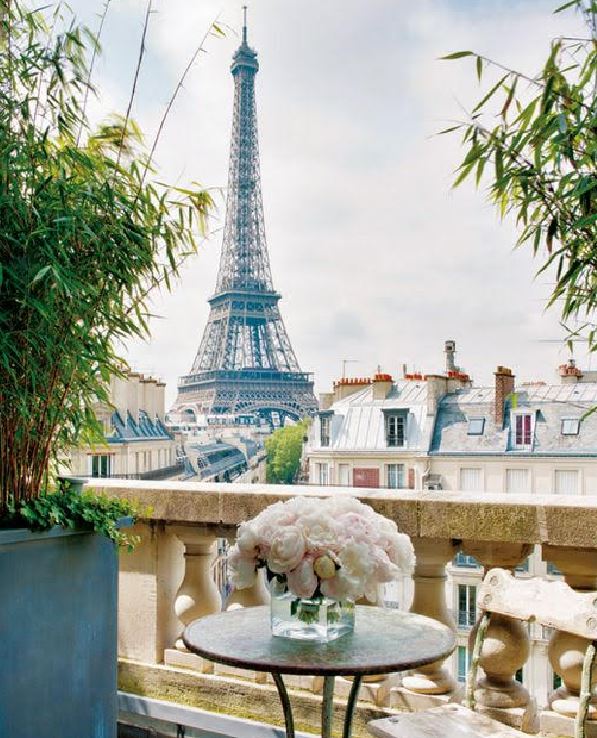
x,y
383,641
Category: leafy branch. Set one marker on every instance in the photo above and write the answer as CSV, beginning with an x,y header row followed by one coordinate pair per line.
x,y
536,151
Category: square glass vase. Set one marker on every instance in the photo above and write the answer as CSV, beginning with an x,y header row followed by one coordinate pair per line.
x,y
318,619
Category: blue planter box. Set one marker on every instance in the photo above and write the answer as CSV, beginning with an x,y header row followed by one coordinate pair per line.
x,y
58,610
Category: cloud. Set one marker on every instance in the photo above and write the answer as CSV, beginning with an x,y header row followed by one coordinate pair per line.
x,y
376,257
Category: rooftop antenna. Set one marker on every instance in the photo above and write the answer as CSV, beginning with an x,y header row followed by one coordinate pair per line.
x,y
344,363
244,25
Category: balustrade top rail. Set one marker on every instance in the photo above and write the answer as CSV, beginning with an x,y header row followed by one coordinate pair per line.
x,y
560,520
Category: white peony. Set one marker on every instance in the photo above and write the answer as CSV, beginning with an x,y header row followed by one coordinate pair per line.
x,y
358,527
337,541
242,569
247,538
286,550
384,570
302,580
320,530
401,552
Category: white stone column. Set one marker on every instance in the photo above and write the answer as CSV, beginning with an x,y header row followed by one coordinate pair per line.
x,y
430,599
566,651
506,645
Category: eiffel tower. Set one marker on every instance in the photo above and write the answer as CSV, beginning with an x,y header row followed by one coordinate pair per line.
x,y
245,364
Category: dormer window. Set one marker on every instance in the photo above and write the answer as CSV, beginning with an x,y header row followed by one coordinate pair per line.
x,y
476,426
523,429
324,430
570,426
395,429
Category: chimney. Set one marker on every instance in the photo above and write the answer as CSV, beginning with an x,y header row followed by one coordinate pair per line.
x,y
326,400
504,386
450,349
437,387
348,386
382,386
570,373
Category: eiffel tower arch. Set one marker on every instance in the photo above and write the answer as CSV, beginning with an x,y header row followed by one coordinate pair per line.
x,y
245,363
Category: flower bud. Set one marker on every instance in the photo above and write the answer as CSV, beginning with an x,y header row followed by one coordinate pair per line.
x,y
324,567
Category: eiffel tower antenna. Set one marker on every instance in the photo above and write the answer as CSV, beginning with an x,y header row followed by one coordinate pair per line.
x,y
244,25
245,364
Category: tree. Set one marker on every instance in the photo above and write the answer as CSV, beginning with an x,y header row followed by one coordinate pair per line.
x,y
533,140
284,448
86,232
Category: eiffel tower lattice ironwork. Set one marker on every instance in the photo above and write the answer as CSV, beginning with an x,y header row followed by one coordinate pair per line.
x,y
245,363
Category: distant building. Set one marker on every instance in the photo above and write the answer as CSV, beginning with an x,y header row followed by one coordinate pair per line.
x,y
238,459
438,431
137,443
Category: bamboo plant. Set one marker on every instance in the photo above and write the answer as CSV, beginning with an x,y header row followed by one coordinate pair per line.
x,y
86,233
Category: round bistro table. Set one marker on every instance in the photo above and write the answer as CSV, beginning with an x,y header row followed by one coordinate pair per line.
x,y
383,641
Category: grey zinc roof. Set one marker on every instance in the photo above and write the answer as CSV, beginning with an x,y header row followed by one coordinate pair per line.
x,y
358,421
549,403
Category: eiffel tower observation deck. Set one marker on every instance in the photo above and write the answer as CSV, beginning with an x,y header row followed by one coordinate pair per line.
x,y
245,364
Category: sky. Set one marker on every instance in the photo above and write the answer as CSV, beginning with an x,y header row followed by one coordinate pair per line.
x,y
378,259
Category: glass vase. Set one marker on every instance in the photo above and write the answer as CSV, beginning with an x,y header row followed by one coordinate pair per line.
x,y
310,619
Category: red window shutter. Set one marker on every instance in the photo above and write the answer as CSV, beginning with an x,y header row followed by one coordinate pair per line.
x,y
411,478
527,430
365,477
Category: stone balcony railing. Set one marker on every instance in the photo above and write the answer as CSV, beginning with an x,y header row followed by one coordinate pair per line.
x,y
168,581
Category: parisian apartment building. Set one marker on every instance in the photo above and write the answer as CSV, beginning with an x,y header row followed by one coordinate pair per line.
x,y
441,432
136,442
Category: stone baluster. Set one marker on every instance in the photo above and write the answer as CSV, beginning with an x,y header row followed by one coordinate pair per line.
x,y
198,594
566,651
506,646
430,599
253,596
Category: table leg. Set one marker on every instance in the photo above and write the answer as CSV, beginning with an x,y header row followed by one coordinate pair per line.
x,y
327,707
350,706
288,719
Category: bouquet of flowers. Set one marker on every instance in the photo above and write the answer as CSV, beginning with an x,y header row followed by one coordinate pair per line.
x,y
335,547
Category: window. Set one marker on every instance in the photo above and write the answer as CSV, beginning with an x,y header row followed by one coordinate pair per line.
x,y
464,663
570,426
395,426
324,428
565,482
467,605
344,474
522,428
466,562
523,567
476,426
471,480
323,474
101,466
517,480
518,675
395,476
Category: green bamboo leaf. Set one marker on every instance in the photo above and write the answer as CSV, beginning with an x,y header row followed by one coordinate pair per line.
x,y
479,68
491,93
567,5
457,55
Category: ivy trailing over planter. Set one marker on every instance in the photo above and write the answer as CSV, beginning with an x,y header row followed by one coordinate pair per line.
x,y
71,509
